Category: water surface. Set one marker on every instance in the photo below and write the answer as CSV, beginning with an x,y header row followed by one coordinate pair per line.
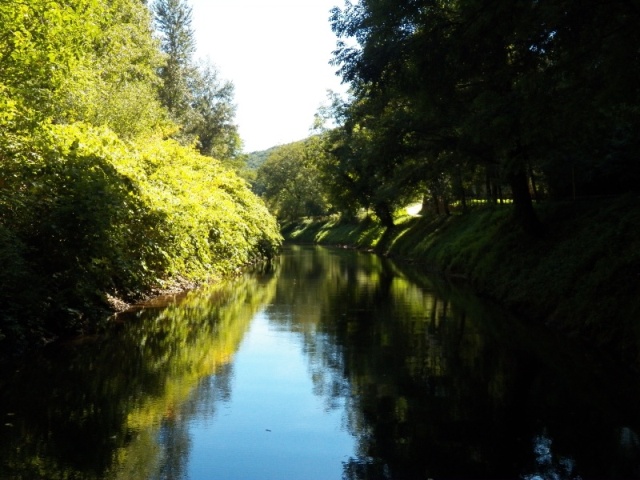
x,y
325,364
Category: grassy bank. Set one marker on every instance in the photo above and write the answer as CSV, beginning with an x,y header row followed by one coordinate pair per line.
x,y
582,276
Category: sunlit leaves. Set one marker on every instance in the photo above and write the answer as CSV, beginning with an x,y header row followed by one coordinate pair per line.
x,y
100,216
40,43
92,199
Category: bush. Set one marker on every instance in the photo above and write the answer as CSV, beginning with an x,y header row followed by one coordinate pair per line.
x,y
83,214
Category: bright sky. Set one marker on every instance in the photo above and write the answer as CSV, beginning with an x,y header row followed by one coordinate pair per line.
x,y
276,53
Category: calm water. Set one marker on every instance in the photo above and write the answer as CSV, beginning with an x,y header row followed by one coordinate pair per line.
x,y
327,364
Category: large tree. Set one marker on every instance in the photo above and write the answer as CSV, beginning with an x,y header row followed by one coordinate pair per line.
x,y
177,40
214,114
198,100
507,85
290,180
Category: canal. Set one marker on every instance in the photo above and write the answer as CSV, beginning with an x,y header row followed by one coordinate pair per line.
x,y
324,364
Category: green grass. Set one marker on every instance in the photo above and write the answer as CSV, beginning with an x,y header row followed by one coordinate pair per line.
x,y
582,276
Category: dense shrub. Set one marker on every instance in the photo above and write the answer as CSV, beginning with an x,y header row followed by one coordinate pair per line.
x,y
84,214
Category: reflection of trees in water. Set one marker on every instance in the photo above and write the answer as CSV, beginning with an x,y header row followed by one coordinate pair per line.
x,y
435,382
174,442
117,406
173,437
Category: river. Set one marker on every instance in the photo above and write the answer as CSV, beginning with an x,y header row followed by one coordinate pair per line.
x,y
324,364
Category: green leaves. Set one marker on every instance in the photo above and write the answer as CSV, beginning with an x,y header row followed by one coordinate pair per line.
x,y
197,100
516,87
41,42
291,181
93,199
89,214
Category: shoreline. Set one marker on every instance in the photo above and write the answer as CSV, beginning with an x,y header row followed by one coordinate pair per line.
x,y
580,278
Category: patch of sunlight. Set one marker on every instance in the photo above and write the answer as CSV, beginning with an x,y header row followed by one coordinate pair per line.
x,y
413,209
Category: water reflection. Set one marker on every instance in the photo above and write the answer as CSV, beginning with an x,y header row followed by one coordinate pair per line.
x,y
441,385
114,406
548,467
421,379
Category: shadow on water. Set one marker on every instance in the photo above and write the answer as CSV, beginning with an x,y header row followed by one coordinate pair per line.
x,y
442,385
431,381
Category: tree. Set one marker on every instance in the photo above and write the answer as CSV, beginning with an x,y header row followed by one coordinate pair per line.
x,y
92,201
173,22
369,155
515,87
198,100
117,75
40,45
214,114
290,180
446,64
592,75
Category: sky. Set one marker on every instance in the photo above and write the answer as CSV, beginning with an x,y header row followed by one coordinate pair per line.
x,y
276,53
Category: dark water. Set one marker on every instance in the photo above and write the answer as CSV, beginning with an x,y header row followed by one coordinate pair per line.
x,y
327,364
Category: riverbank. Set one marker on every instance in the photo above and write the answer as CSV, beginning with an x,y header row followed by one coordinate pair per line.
x,y
581,276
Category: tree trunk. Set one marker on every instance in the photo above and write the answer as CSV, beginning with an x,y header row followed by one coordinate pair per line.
x,y
461,193
523,206
425,205
383,212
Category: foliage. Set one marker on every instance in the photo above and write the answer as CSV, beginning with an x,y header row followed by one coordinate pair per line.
x,y
94,200
361,164
251,162
85,60
522,90
40,44
173,22
88,214
290,180
218,220
117,75
213,125
256,159
197,99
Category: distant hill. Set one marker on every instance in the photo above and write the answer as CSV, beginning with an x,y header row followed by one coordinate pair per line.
x,y
255,159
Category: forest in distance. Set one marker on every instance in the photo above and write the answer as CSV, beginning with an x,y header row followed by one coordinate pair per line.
x,y
122,172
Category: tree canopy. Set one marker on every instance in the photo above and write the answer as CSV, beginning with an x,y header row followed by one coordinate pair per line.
x,y
538,97
197,99
290,180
